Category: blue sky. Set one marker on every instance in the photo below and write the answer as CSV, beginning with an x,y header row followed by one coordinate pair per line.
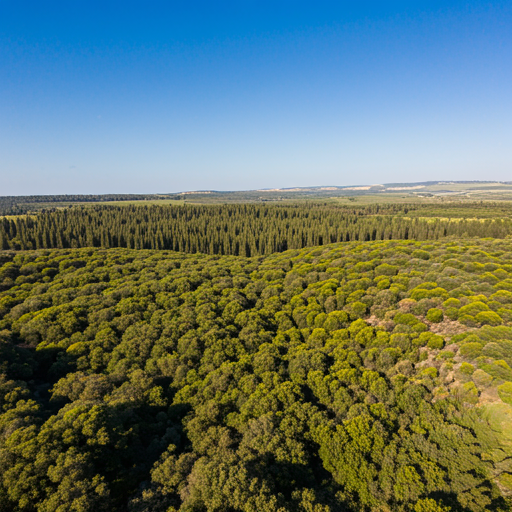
x,y
143,97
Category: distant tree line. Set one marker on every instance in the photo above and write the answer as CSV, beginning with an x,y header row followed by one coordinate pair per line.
x,y
17,205
243,229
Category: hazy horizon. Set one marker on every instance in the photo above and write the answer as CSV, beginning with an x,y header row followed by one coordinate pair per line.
x,y
411,184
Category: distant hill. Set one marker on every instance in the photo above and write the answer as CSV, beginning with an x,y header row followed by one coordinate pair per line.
x,y
388,192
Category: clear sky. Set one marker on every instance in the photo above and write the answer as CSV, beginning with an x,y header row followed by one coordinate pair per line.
x,y
165,96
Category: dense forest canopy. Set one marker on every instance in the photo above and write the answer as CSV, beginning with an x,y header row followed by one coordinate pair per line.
x,y
246,230
363,376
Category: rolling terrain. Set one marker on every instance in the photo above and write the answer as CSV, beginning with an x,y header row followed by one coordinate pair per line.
x,y
425,192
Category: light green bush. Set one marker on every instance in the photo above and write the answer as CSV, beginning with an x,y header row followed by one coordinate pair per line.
x,y
503,296
405,318
467,369
383,284
470,392
435,315
429,372
421,293
505,480
419,327
489,318
435,342
452,303
505,392
474,308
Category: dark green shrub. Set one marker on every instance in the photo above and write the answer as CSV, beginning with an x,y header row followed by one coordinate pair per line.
x,y
494,305
498,369
430,505
419,253
452,313
471,350
335,320
481,378
318,337
468,320
470,392
506,314
386,270
388,357
356,309
423,305
401,341
489,278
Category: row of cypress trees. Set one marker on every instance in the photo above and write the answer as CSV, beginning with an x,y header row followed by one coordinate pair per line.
x,y
241,229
